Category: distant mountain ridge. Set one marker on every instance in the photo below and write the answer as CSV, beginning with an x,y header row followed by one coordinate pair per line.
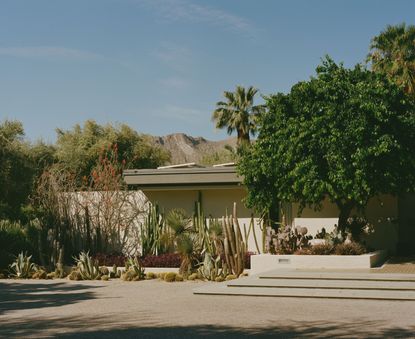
x,y
184,148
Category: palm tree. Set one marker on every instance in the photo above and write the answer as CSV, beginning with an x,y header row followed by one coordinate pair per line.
x,y
393,53
238,113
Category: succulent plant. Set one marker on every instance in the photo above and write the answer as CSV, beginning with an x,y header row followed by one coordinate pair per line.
x,y
151,275
134,268
178,277
104,270
40,273
87,267
192,276
170,276
75,275
105,277
22,267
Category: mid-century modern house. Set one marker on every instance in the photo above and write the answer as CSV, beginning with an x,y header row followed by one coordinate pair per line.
x,y
179,186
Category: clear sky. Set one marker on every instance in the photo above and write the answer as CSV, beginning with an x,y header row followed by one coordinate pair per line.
x,y
161,65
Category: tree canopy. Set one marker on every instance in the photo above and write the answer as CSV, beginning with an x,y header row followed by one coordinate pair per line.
x,y
238,113
392,52
346,134
79,149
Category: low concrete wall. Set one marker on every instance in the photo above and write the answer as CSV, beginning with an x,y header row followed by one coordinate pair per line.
x,y
267,262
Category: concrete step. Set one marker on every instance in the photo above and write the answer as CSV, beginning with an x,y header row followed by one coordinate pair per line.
x,y
224,289
330,275
324,284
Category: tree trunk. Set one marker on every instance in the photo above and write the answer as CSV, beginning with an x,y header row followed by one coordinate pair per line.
x,y
345,210
243,138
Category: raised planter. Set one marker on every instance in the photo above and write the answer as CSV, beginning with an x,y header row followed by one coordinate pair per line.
x,y
267,262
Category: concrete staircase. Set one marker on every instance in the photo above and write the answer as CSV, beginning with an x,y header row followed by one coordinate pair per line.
x,y
318,284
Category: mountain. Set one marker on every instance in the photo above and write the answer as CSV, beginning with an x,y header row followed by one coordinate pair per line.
x,y
184,148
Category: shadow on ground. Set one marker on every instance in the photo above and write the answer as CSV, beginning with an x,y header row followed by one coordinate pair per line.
x,y
81,328
19,296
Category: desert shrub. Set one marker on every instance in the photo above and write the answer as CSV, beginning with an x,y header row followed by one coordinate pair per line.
x,y
352,248
321,249
170,276
110,259
14,238
171,260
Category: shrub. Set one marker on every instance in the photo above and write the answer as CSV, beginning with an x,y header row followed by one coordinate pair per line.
x,y
171,260
110,259
321,249
14,238
170,277
352,248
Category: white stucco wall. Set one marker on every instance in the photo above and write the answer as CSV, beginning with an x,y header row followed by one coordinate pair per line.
x,y
381,212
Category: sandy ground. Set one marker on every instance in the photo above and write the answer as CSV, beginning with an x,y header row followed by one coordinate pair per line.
x,y
156,309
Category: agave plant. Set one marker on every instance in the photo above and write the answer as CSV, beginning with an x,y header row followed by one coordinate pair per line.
x,y
22,267
87,267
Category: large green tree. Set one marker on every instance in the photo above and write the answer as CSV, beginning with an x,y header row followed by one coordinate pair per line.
x,y
346,135
79,149
238,113
20,164
392,52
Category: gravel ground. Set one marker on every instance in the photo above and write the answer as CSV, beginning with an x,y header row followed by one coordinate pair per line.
x,y
156,309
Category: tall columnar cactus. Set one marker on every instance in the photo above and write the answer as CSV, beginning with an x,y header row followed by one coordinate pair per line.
x,y
234,245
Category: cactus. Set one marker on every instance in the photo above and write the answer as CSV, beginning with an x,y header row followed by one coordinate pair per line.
x,y
170,277
193,276
179,277
234,246
134,270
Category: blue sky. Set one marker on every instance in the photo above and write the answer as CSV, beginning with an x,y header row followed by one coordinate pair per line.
x,y
161,65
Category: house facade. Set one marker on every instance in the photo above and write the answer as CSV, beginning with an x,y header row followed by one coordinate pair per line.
x,y
219,187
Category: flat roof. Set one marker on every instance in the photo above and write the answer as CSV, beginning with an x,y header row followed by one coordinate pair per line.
x,y
183,178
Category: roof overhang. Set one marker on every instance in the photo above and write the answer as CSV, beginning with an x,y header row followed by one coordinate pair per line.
x,y
183,178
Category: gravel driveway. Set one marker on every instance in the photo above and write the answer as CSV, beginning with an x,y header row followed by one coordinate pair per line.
x,y
156,309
